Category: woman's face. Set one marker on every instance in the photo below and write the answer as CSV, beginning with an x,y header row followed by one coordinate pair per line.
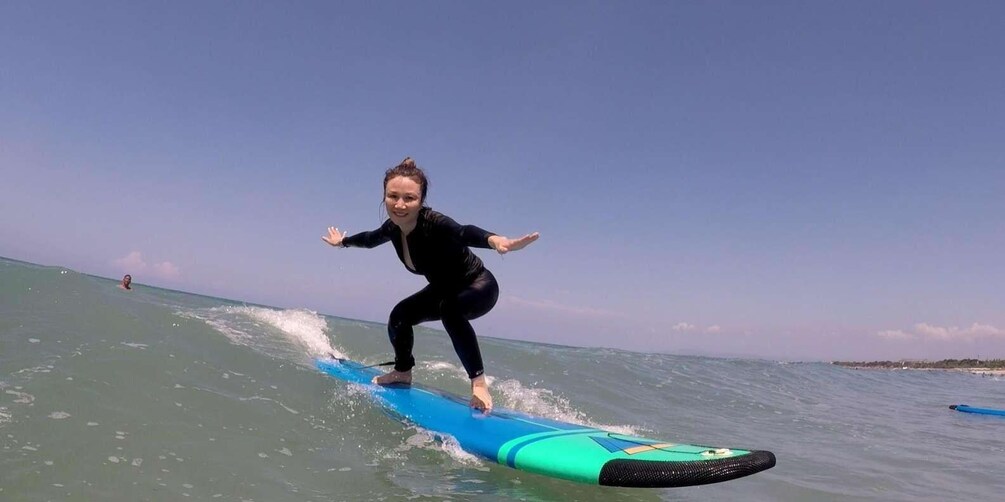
x,y
402,197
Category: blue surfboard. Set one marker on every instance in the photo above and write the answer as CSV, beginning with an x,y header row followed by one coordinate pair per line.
x,y
551,447
981,411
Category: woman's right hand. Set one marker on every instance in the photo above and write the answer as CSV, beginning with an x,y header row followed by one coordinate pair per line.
x,y
334,237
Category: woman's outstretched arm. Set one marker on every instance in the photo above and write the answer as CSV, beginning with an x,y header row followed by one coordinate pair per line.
x,y
368,240
503,244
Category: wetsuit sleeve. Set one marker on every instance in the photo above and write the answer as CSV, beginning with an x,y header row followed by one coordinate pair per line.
x,y
369,239
475,237
469,235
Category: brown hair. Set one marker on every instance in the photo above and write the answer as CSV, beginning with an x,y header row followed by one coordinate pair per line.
x,y
408,169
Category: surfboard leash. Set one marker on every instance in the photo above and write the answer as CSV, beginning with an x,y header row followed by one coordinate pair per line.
x,y
388,363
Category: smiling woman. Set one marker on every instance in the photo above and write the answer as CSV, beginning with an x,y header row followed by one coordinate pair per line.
x,y
460,287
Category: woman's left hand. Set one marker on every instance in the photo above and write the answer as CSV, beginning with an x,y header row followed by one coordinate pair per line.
x,y
504,245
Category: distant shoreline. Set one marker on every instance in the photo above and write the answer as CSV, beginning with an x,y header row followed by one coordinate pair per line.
x,y
994,367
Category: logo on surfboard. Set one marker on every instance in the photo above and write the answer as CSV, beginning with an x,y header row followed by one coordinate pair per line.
x,y
629,446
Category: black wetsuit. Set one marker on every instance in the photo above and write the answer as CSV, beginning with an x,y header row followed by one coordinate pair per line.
x,y
460,287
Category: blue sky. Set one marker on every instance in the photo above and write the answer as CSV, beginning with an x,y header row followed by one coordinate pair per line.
x,y
793,180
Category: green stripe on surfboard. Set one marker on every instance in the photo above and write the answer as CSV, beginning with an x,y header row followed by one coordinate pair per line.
x,y
506,449
539,453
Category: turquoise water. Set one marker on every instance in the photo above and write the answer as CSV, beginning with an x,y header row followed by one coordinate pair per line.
x,y
161,395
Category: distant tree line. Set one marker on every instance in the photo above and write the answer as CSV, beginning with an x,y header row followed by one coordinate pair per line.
x,y
994,364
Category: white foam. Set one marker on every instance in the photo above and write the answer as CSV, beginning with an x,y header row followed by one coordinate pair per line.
x,y
445,368
450,445
303,326
538,402
22,397
260,398
544,403
243,325
428,440
59,415
36,369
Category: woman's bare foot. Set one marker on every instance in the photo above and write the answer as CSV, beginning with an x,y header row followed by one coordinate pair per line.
x,y
480,397
392,377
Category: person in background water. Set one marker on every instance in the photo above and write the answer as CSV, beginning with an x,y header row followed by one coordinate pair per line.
x,y
126,281
460,288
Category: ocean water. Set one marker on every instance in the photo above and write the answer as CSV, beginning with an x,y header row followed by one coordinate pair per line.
x,y
161,395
